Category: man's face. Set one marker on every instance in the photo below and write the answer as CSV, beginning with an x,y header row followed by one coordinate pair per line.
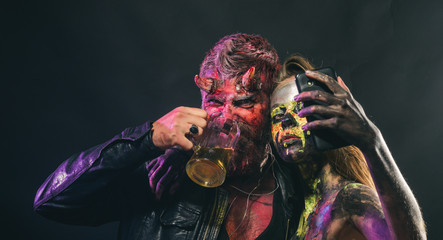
x,y
251,111
287,135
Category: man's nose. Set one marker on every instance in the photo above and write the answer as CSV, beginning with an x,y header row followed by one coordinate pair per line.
x,y
288,121
227,111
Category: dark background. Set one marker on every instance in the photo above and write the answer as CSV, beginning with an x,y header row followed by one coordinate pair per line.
x,y
74,73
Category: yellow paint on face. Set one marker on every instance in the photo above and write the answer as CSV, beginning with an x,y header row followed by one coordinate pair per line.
x,y
278,113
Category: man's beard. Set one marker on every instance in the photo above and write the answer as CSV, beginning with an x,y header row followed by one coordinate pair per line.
x,y
249,152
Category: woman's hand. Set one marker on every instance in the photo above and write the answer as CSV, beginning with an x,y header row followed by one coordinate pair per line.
x,y
348,120
344,115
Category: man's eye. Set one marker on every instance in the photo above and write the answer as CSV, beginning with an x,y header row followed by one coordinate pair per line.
x,y
245,103
214,102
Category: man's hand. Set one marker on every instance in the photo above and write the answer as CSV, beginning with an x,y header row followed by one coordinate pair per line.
x,y
344,114
171,129
166,172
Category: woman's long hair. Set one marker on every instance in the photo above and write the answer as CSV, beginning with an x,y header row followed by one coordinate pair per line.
x,y
349,161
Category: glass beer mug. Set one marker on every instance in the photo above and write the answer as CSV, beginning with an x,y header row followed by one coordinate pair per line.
x,y
212,153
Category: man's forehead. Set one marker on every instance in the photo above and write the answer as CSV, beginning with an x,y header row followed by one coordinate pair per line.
x,y
228,90
210,73
284,94
247,85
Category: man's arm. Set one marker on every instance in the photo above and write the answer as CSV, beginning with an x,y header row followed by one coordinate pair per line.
x,y
82,189
88,188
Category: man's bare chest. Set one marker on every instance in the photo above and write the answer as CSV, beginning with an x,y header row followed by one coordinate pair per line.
x,y
247,219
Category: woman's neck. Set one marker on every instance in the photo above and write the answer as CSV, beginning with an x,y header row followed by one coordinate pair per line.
x,y
310,171
320,177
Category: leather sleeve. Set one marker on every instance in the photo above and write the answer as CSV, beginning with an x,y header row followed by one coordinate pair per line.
x,y
92,187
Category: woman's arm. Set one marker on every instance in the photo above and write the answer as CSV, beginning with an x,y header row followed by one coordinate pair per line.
x,y
399,204
348,120
357,214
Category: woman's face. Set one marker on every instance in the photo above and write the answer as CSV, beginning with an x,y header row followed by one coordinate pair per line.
x,y
287,135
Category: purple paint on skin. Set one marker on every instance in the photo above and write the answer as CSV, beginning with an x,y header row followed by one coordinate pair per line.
x,y
374,227
301,113
296,98
320,217
323,216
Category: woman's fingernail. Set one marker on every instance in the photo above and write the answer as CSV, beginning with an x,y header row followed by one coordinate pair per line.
x,y
301,113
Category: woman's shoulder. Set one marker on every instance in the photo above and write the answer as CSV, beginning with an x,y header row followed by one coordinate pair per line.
x,y
359,205
356,199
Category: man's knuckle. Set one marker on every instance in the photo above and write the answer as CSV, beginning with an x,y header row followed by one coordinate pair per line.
x,y
179,115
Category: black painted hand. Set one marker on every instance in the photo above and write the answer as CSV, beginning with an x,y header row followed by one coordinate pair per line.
x,y
343,114
167,171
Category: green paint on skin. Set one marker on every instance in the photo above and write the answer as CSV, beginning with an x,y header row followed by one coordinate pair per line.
x,y
309,171
352,185
292,108
311,202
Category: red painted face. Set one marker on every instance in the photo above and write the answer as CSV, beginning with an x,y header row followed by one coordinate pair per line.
x,y
251,111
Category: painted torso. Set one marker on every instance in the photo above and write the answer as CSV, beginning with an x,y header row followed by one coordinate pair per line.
x,y
324,216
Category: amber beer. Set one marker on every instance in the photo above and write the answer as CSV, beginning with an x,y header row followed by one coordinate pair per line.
x,y
207,167
212,153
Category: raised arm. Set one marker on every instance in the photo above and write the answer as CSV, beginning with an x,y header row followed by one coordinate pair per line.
x,y
347,118
91,187
399,204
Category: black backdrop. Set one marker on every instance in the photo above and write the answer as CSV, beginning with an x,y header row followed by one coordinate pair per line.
x,y
74,73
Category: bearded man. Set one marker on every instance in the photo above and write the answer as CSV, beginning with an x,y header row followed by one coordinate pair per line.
x,y
113,181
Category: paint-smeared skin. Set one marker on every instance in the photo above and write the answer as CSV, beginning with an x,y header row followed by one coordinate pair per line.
x,y
250,109
361,204
343,210
346,117
290,140
277,129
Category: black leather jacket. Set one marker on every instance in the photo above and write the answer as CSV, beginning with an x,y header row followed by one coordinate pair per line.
x,y
109,182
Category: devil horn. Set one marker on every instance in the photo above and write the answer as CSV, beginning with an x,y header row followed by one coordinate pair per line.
x,y
206,84
248,82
